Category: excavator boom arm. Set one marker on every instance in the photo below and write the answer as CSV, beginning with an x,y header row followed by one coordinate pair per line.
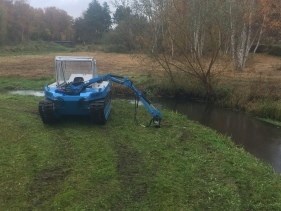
x,y
154,112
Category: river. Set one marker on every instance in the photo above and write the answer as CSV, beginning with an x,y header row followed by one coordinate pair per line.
x,y
259,138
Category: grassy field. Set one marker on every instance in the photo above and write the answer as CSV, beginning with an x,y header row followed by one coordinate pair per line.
x,y
31,71
34,66
75,165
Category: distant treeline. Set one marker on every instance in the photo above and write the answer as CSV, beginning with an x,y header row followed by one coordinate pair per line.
x,y
19,22
153,25
185,37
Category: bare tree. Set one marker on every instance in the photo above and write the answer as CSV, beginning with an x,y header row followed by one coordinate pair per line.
x,y
185,37
246,30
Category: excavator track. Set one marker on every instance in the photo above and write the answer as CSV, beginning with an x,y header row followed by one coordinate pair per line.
x,y
46,111
97,110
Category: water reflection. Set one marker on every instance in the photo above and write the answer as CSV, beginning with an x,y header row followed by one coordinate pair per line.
x,y
259,138
28,92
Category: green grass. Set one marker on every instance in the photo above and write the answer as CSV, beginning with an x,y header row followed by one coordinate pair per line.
x,y
10,83
33,48
75,165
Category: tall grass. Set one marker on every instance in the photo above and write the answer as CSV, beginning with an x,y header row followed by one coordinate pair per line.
x,y
266,108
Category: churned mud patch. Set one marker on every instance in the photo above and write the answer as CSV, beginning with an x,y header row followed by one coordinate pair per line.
x,y
46,185
133,174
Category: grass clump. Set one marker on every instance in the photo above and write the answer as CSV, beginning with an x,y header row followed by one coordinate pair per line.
x,y
74,165
33,48
268,109
9,83
275,50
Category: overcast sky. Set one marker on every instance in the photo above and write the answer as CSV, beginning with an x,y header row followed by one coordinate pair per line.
x,y
74,8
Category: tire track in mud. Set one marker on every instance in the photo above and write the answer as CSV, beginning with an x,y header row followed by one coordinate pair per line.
x,y
48,181
134,176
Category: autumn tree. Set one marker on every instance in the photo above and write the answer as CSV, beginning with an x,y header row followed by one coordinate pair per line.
x,y
21,22
58,24
38,31
270,13
3,22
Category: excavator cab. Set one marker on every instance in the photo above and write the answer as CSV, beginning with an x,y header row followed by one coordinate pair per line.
x,y
74,69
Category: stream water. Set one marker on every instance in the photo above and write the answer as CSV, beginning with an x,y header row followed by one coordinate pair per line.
x,y
28,92
261,139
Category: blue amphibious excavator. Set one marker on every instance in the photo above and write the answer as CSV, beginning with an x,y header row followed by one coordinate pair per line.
x,y
79,90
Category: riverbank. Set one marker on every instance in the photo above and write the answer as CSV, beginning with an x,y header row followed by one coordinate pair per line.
x,y
76,165
255,90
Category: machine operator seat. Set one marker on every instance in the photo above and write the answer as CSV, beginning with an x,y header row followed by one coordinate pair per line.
x,y
77,81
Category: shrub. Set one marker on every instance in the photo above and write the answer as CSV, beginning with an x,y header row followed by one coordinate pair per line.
x,y
266,109
275,50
